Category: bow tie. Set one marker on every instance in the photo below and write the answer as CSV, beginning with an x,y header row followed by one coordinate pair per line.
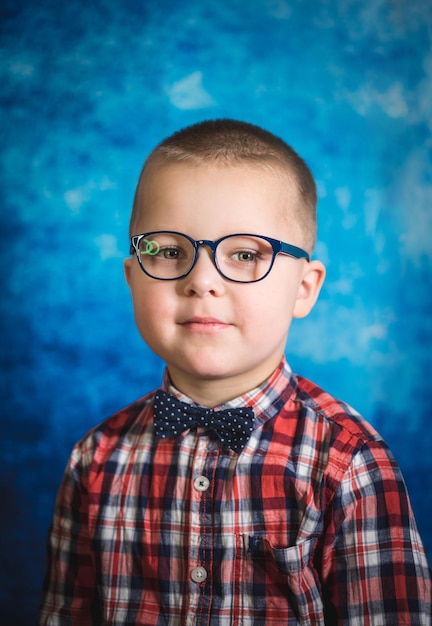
x,y
232,426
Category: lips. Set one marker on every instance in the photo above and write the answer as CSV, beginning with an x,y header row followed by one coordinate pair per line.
x,y
204,324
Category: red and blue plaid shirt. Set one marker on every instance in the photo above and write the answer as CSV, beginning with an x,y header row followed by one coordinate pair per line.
x,y
310,524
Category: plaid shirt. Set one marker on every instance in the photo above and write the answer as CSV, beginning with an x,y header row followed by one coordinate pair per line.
x,y
310,524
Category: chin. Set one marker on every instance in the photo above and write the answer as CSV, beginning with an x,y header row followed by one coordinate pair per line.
x,y
204,369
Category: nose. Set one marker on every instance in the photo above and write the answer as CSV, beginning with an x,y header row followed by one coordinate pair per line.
x,y
204,278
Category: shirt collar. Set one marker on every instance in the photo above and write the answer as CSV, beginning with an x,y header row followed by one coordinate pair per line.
x,y
266,400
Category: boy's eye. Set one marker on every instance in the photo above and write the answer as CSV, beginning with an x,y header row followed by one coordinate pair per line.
x,y
159,249
171,253
245,256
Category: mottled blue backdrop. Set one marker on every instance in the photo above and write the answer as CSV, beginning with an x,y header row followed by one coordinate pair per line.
x,y
87,89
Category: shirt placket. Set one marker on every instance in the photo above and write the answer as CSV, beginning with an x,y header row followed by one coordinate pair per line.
x,y
201,530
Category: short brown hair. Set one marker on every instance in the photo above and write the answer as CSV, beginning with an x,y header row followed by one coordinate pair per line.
x,y
230,142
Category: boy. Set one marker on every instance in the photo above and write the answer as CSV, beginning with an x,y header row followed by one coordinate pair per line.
x,y
281,505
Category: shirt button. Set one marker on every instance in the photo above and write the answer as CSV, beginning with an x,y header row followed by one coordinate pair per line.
x,y
201,483
198,574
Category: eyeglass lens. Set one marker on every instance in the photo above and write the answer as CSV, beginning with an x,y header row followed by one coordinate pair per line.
x,y
242,258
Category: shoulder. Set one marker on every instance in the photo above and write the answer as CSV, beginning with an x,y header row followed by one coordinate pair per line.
x,y
120,433
321,406
344,441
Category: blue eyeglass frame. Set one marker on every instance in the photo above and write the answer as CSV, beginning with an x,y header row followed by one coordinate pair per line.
x,y
278,247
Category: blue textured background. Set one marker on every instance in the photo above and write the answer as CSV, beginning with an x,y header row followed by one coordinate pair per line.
x,y
87,89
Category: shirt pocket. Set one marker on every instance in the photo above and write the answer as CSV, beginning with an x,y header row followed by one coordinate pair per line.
x,y
283,582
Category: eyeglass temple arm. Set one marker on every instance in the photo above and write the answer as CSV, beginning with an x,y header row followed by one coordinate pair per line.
x,y
298,253
134,244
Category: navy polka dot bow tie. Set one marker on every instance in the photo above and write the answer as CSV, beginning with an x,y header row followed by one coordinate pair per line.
x,y
232,426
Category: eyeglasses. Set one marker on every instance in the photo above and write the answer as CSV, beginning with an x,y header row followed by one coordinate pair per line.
x,y
242,258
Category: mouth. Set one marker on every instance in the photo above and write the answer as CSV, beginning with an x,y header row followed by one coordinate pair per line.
x,y
204,324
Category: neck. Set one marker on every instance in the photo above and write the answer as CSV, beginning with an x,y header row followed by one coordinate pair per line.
x,y
215,392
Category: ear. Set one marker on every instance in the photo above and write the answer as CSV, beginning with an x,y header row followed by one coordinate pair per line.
x,y
127,267
309,288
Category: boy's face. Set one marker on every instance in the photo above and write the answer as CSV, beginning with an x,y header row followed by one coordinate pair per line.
x,y
220,338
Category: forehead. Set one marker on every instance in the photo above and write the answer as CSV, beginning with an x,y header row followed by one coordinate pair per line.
x,y
210,201
173,186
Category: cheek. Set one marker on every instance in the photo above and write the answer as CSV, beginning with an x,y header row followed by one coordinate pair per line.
x,y
269,310
151,324
155,305
280,296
